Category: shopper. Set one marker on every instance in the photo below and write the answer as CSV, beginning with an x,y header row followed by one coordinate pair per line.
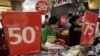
x,y
49,33
75,30
68,24
62,31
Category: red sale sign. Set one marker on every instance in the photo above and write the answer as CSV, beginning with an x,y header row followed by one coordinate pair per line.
x,y
88,30
22,31
42,7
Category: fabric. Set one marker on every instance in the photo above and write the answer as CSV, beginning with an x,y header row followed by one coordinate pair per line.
x,y
96,41
61,36
51,39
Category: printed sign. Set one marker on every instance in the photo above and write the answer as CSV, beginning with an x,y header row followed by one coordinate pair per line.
x,y
88,31
22,31
42,7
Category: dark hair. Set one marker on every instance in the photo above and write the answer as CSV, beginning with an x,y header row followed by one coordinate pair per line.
x,y
73,19
70,15
53,20
46,16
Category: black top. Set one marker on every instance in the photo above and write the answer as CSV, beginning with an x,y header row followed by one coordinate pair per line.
x,y
74,36
1,33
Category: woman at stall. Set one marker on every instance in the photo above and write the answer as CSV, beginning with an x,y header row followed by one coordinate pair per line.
x,y
49,33
75,30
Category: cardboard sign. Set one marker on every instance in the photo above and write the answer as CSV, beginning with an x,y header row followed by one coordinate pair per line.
x,y
89,27
22,31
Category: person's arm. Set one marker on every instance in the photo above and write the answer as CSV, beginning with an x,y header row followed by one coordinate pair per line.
x,y
44,36
77,29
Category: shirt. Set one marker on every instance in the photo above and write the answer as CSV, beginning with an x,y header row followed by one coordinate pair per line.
x,y
46,32
74,36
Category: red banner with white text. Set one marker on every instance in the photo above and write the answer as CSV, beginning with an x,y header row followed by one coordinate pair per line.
x,y
89,27
22,31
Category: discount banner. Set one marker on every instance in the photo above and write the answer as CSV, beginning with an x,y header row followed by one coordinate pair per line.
x,y
22,31
88,30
